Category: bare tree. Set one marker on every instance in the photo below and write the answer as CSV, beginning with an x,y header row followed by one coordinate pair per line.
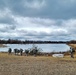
x,y
35,50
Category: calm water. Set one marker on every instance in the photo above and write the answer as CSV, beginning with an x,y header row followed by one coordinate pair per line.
x,y
44,47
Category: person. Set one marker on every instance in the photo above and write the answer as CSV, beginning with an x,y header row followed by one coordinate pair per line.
x,y
27,52
15,51
72,51
21,51
10,50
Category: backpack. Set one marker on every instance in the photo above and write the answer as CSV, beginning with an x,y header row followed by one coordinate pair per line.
x,y
73,50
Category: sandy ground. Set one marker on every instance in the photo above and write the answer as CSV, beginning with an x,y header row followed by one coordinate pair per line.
x,y
45,65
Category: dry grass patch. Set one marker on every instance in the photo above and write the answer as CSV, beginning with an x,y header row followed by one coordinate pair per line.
x,y
23,65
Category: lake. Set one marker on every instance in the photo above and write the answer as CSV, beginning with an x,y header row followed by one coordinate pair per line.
x,y
44,47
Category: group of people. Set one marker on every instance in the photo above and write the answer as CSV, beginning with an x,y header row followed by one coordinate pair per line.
x,y
16,51
20,51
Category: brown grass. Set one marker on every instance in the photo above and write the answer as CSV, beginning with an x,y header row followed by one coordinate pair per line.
x,y
40,65
73,45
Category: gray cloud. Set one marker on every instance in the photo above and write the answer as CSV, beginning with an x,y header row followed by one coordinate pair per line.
x,y
7,20
7,28
55,9
38,19
6,17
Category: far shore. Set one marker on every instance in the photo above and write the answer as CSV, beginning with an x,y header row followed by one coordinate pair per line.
x,y
3,45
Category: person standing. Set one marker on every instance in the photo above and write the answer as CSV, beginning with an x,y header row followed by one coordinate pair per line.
x,y
72,51
21,51
9,51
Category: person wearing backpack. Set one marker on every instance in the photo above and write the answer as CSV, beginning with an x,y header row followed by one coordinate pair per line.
x,y
72,51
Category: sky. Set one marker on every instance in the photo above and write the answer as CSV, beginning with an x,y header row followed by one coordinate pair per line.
x,y
46,20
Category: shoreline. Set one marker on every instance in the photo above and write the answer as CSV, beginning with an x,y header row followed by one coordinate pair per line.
x,y
3,45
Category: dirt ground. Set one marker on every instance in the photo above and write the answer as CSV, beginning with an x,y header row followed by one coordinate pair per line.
x,y
30,65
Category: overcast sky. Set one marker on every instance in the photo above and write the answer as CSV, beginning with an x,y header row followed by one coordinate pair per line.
x,y
38,19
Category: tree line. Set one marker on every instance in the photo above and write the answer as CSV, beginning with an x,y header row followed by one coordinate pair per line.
x,y
11,41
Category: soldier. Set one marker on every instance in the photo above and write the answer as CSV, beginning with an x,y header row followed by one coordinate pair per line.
x,y
10,50
21,51
15,51
72,51
27,52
